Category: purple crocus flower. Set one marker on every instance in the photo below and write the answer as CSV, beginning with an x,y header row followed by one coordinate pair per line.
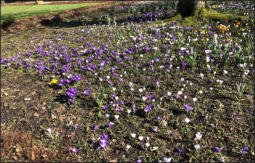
x,y
110,124
234,115
104,136
146,48
188,108
71,92
155,129
122,102
149,96
76,78
75,149
149,108
245,148
103,143
133,108
180,151
159,117
217,149
242,152
87,92
202,119
104,107
95,127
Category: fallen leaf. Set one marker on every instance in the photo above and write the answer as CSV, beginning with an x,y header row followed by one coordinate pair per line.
x,y
154,148
33,155
18,148
33,93
114,160
15,158
36,114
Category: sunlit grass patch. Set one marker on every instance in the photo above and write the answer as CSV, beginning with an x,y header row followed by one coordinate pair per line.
x,y
10,13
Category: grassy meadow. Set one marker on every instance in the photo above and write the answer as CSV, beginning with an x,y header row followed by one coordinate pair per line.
x,y
10,13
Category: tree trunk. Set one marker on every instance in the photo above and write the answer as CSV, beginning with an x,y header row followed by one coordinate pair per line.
x,y
186,7
2,2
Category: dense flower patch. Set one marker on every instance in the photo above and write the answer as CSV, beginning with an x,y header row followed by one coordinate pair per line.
x,y
169,75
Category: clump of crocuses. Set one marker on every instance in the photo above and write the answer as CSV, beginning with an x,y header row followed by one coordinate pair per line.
x,y
71,93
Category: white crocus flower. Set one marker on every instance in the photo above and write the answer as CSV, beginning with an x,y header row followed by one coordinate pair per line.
x,y
117,116
144,98
133,135
198,136
197,146
167,159
187,120
140,138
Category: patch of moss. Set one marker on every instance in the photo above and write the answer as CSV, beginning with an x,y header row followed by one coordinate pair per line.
x,y
204,14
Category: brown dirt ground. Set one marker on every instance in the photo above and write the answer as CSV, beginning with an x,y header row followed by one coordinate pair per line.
x,y
35,21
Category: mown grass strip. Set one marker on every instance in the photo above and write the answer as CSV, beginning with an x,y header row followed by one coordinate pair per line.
x,y
10,13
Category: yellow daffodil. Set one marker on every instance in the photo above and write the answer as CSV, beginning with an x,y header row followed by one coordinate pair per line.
x,y
53,81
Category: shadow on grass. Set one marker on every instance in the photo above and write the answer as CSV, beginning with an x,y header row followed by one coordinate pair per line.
x,y
61,98
100,19
8,23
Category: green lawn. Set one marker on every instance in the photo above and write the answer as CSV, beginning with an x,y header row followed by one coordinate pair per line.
x,y
10,13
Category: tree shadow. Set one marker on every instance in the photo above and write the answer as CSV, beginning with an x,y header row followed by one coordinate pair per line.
x,y
100,18
8,23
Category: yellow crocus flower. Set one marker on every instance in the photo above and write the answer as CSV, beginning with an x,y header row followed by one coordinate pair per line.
x,y
53,81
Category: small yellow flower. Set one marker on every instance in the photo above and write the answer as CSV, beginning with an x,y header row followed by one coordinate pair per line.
x,y
203,31
53,81
228,39
202,39
223,28
238,23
